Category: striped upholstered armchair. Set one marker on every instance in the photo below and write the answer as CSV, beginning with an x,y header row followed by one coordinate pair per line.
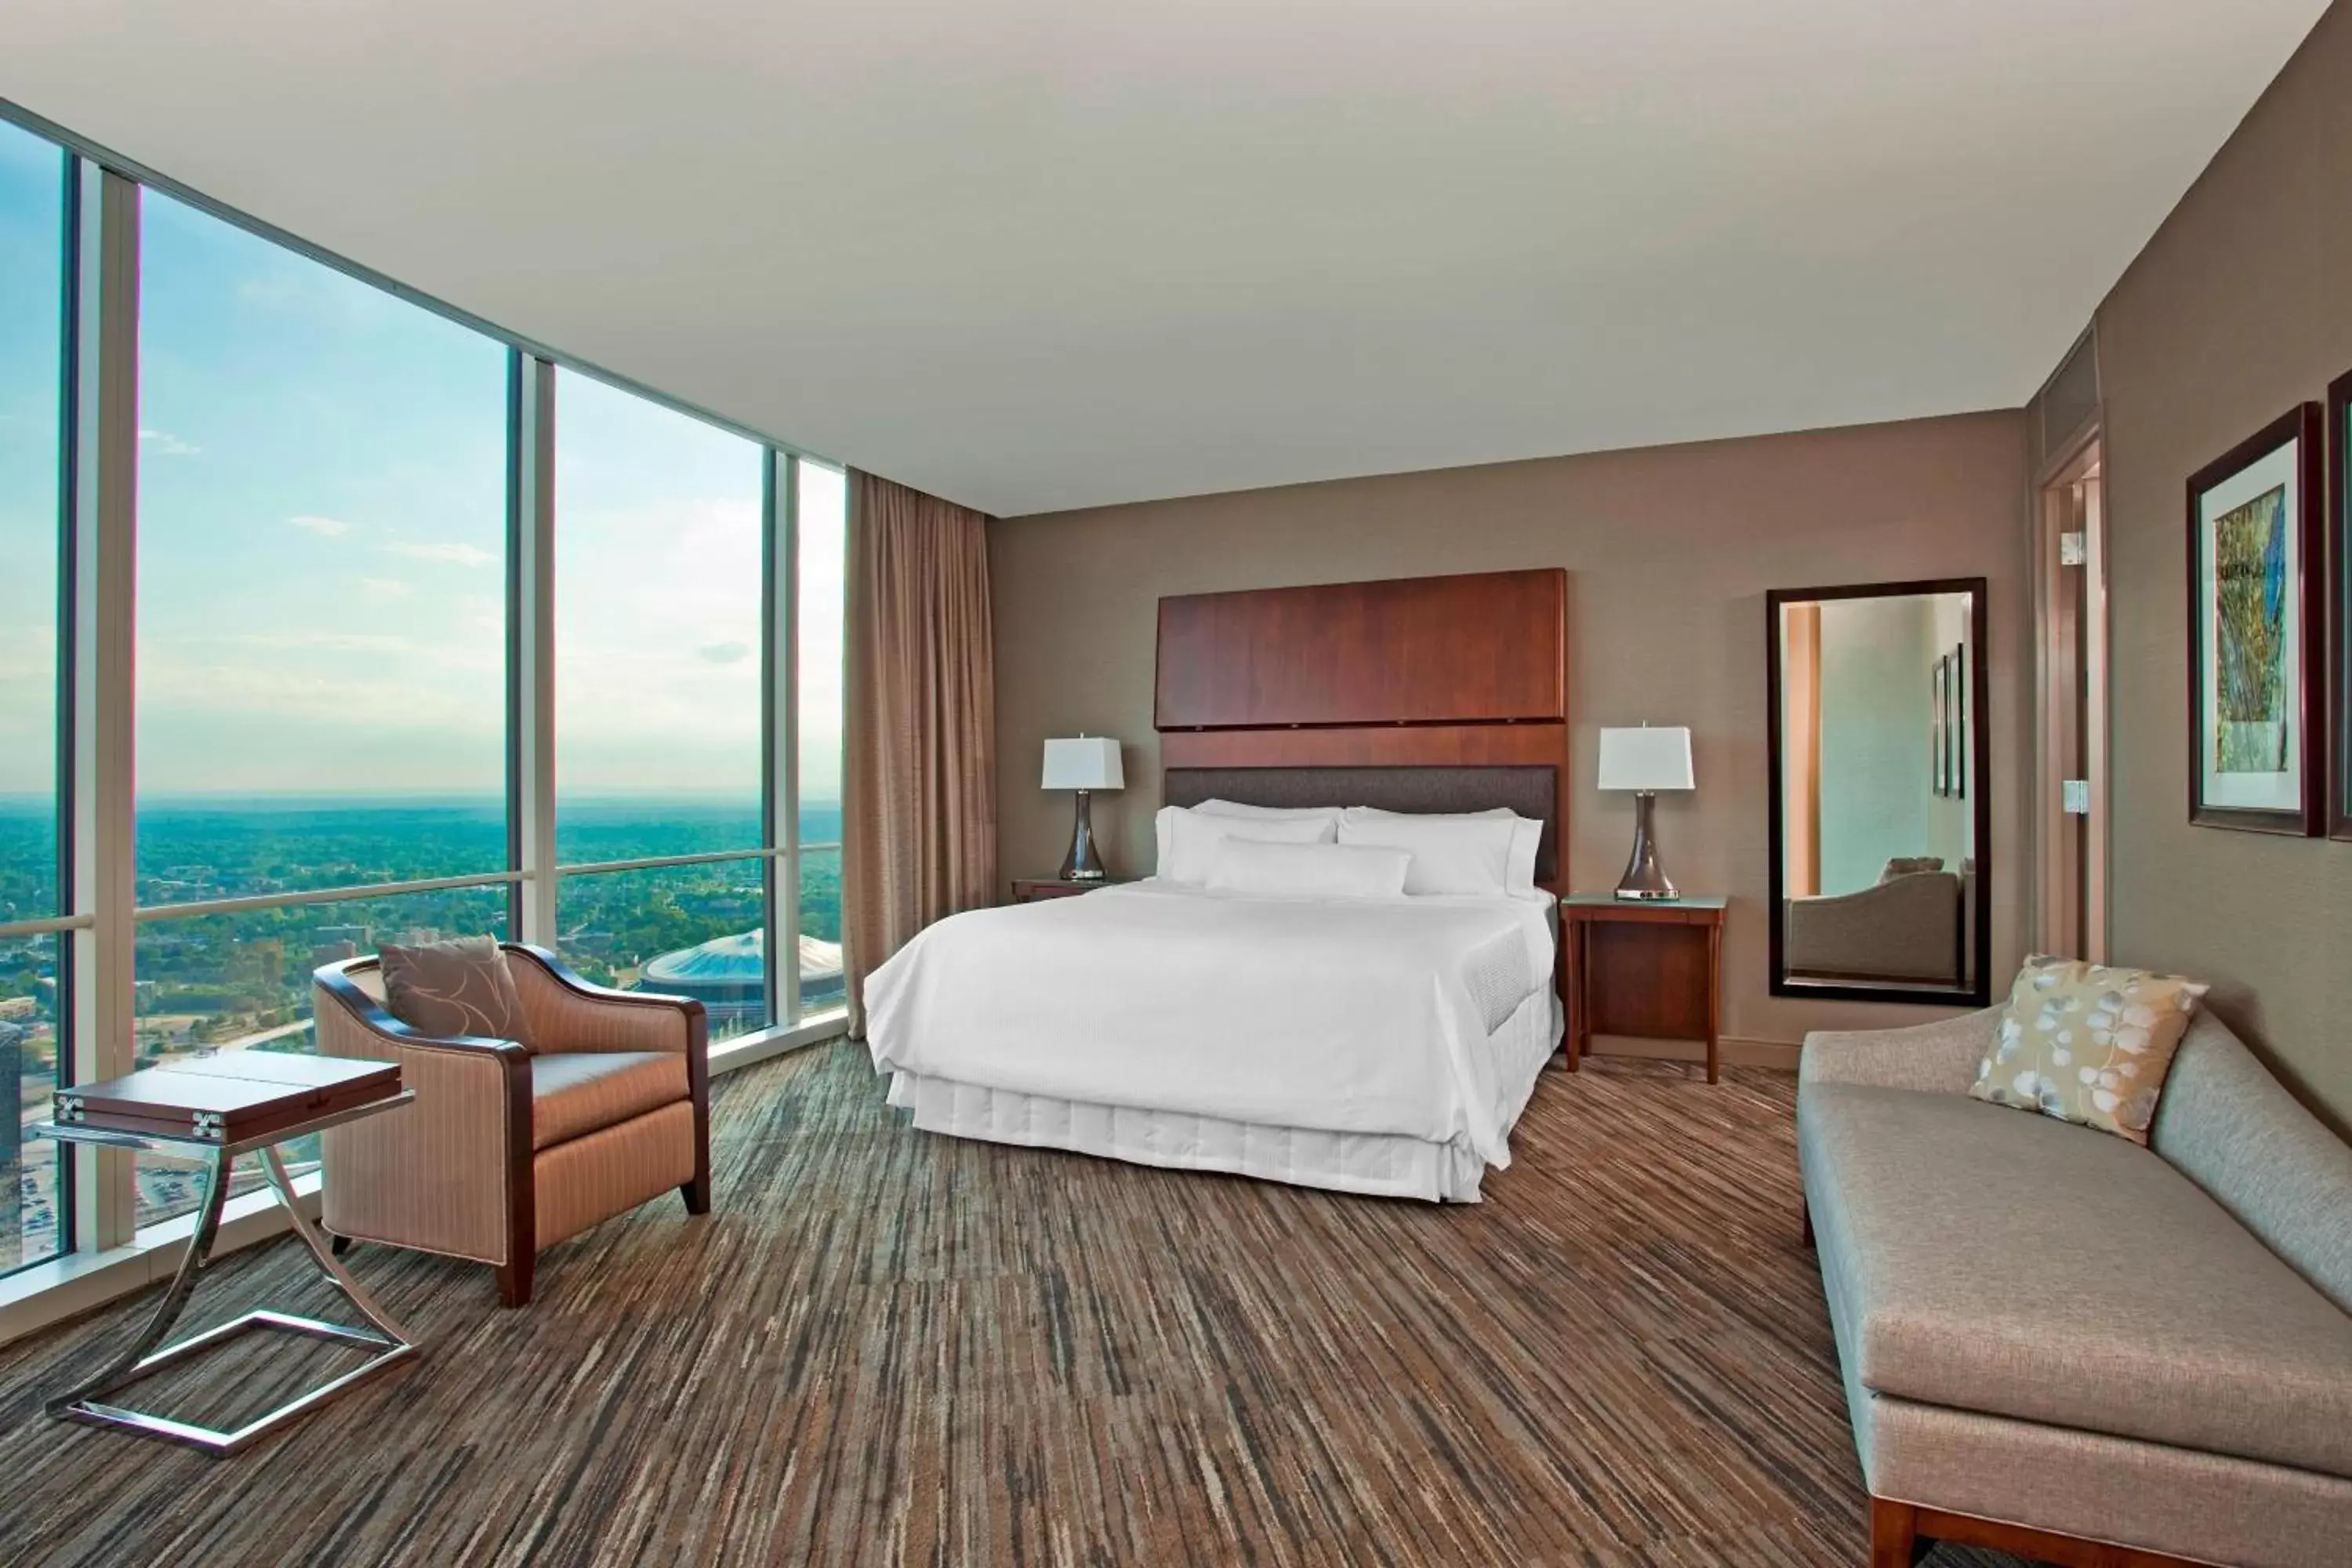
x,y
509,1150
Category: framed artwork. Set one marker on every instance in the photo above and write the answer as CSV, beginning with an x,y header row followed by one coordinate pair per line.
x,y
1958,709
2340,601
1939,731
2256,632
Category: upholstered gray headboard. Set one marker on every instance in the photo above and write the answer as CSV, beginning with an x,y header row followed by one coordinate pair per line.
x,y
1530,791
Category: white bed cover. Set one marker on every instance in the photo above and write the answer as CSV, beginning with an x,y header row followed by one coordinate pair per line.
x,y
1345,1015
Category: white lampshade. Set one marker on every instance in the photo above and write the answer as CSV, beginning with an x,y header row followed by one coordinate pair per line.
x,y
1089,762
1645,759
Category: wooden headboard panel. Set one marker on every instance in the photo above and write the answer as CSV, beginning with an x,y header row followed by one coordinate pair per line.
x,y
1464,677
1487,649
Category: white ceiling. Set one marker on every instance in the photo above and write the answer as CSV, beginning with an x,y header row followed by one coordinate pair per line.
x,y
1037,254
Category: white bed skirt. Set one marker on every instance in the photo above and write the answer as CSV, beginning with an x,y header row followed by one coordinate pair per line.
x,y
1376,1163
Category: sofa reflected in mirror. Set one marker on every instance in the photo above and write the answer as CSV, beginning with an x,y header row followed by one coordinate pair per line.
x,y
1879,815
1910,927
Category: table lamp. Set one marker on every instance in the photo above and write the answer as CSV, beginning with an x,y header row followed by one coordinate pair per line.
x,y
1645,761
1085,764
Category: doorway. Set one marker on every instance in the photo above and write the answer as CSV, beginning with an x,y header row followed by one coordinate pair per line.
x,y
2070,750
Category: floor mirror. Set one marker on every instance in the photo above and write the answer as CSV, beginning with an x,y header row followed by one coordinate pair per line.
x,y
1880,888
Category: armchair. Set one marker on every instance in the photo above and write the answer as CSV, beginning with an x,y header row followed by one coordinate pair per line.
x,y
508,1150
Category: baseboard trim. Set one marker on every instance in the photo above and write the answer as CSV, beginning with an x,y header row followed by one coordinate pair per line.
x,y
1736,1050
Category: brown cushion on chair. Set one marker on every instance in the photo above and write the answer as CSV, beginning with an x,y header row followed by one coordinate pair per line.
x,y
573,1093
458,987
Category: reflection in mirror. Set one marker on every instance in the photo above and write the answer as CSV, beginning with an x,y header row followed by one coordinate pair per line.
x,y
1879,815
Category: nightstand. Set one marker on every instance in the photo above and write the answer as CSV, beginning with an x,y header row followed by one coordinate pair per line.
x,y
1650,968
1029,890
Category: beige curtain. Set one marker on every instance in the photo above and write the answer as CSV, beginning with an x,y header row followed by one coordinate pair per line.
x,y
918,810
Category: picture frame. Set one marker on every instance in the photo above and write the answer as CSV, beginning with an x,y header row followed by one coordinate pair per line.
x,y
1960,713
2340,601
2257,645
1940,731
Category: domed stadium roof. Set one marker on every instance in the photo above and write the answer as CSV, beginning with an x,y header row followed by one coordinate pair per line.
x,y
737,960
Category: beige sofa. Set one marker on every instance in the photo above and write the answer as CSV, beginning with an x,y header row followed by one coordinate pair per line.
x,y
2059,1343
1907,926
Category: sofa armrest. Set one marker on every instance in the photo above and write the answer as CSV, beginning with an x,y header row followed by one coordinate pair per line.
x,y
1941,1058
447,1173
1905,929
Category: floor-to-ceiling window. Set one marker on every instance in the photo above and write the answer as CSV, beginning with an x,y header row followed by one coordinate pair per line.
x,y
660,650
269,525
33,250
322,524
822,524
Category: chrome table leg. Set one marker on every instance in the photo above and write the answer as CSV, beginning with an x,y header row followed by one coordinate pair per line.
x,y
133,1363
384,1335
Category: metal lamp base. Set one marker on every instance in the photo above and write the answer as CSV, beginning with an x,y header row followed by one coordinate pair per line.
x,y
1645,878
1082,864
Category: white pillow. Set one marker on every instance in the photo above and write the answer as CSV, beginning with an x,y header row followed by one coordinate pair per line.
x,y
1235,809
1270,813
1308,870
1519,874
1452,854
1189,841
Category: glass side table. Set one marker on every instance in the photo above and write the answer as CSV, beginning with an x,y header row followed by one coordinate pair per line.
x,y
89,1402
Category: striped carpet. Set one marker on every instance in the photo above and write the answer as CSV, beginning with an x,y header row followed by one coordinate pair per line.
x,y
886,1347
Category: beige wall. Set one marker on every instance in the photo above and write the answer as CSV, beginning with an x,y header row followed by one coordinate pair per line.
x,y
2239,308
1670,552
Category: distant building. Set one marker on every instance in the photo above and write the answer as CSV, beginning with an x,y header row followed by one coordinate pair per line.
x,y
729,975
12,1147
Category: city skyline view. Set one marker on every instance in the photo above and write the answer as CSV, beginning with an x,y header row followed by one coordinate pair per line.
x,y
322,538
322,641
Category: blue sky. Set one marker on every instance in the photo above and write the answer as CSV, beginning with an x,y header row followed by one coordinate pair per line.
x,y
31,201
321,538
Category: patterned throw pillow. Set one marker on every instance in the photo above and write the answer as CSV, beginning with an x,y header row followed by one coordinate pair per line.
x,y
2087,1044
460,987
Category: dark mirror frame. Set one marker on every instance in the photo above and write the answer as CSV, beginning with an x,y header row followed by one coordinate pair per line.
x,y
1980,774
2339,603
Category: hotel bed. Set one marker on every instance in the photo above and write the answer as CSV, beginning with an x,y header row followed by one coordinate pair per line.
x,y
1374,1023
1370,1046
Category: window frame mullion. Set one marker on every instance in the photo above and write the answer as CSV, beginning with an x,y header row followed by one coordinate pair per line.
x,y
530,648
100,1032
780,793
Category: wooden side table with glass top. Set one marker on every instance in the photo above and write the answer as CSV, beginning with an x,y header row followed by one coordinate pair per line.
x,y
212,1109
1648,968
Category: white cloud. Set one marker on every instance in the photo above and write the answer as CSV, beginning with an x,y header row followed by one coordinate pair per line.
x,y
724,652
327,642
383,588
325,527
167,444
456,554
